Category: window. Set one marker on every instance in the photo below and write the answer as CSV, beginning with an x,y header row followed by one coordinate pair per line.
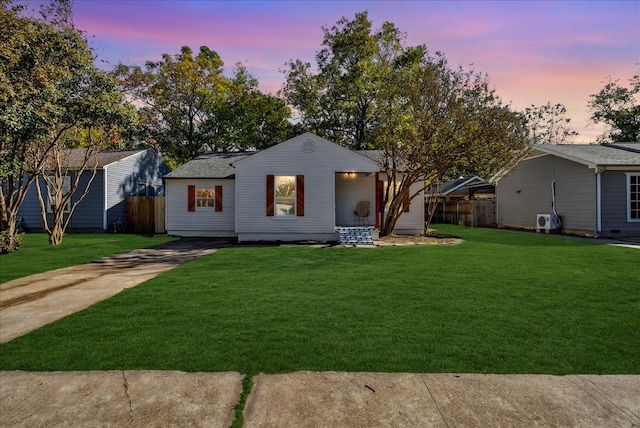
x,y
51,193
285,192
285,195
141,189
633,197
204,198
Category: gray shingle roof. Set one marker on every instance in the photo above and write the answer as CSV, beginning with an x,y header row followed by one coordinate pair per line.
x,y
619,154
73,158
210,165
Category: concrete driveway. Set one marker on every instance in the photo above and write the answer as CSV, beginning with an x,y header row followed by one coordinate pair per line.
x,y
31,302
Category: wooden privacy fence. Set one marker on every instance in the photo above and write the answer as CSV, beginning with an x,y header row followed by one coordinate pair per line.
x,y
145,214
477,213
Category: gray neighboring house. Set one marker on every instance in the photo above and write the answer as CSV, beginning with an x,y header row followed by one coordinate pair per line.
x,y
120,173
597,189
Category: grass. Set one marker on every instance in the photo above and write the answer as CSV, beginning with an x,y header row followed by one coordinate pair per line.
x,y
500,302
36,254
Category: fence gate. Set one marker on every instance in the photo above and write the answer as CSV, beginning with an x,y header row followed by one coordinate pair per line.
x,y
145,214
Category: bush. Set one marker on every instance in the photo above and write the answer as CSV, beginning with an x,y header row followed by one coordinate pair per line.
x,y
8,243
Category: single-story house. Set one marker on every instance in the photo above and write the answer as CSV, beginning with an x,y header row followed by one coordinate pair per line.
x,y
459,188
301,189
119,173
594,189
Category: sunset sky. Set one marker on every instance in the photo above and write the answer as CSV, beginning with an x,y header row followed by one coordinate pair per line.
x,y
533,51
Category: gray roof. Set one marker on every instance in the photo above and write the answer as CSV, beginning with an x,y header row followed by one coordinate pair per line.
x,y
374,155
73,158
210,165
592,155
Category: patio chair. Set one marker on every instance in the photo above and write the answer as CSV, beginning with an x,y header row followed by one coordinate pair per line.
x,y
361,214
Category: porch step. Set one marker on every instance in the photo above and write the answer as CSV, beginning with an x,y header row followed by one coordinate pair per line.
x,y
355,235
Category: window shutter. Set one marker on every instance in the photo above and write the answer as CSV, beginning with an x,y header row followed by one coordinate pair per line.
x,y
379,192
405,201
270,195
300,195
218,198
191,204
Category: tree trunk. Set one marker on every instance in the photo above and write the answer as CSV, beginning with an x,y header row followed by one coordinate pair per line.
x,y
55,237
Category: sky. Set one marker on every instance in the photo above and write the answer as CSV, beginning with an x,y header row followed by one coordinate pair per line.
x,y
534,52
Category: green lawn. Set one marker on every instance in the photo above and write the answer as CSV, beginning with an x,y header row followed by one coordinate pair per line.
x,y
500,302
36,254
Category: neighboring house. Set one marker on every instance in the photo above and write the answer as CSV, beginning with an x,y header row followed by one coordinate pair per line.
x,y
457,189
596,187
119,173
300,189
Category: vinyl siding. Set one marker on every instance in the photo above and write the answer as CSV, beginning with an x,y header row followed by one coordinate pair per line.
x,y
123,177
86,216
526,192
202,221
319,169
613,186
351,190
412,222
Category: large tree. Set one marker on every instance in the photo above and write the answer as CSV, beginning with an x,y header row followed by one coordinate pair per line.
x,y
429,120
440,122
47,88
190,106
548,124
177,92
245,118
338,99
618,107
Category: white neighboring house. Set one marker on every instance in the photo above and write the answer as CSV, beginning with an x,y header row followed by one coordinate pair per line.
x,y
300,189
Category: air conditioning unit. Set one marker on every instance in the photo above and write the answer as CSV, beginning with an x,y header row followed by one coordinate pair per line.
x,y
547,222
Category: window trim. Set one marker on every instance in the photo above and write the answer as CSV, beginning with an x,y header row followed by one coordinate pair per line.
x,y
293,197
192,198
298,199
66,187
628,196
210,199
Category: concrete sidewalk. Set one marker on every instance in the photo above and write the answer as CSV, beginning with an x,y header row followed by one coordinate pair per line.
x,y
317,399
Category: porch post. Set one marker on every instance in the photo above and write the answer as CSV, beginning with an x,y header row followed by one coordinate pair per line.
x,y
378,199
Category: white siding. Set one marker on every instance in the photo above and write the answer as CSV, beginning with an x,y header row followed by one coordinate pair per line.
x,y
318,167
349,191
412,222
203,221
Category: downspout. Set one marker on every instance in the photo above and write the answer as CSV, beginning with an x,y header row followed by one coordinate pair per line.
x,y
104,198
598,201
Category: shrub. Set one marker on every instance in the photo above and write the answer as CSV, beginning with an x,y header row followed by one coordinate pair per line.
x,y
8,243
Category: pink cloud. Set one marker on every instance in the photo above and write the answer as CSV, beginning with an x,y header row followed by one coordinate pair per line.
x,y
533,51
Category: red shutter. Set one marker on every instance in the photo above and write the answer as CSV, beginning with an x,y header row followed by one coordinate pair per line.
x,y
218,198
270,195
379,191
191,198
300,195
405,201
